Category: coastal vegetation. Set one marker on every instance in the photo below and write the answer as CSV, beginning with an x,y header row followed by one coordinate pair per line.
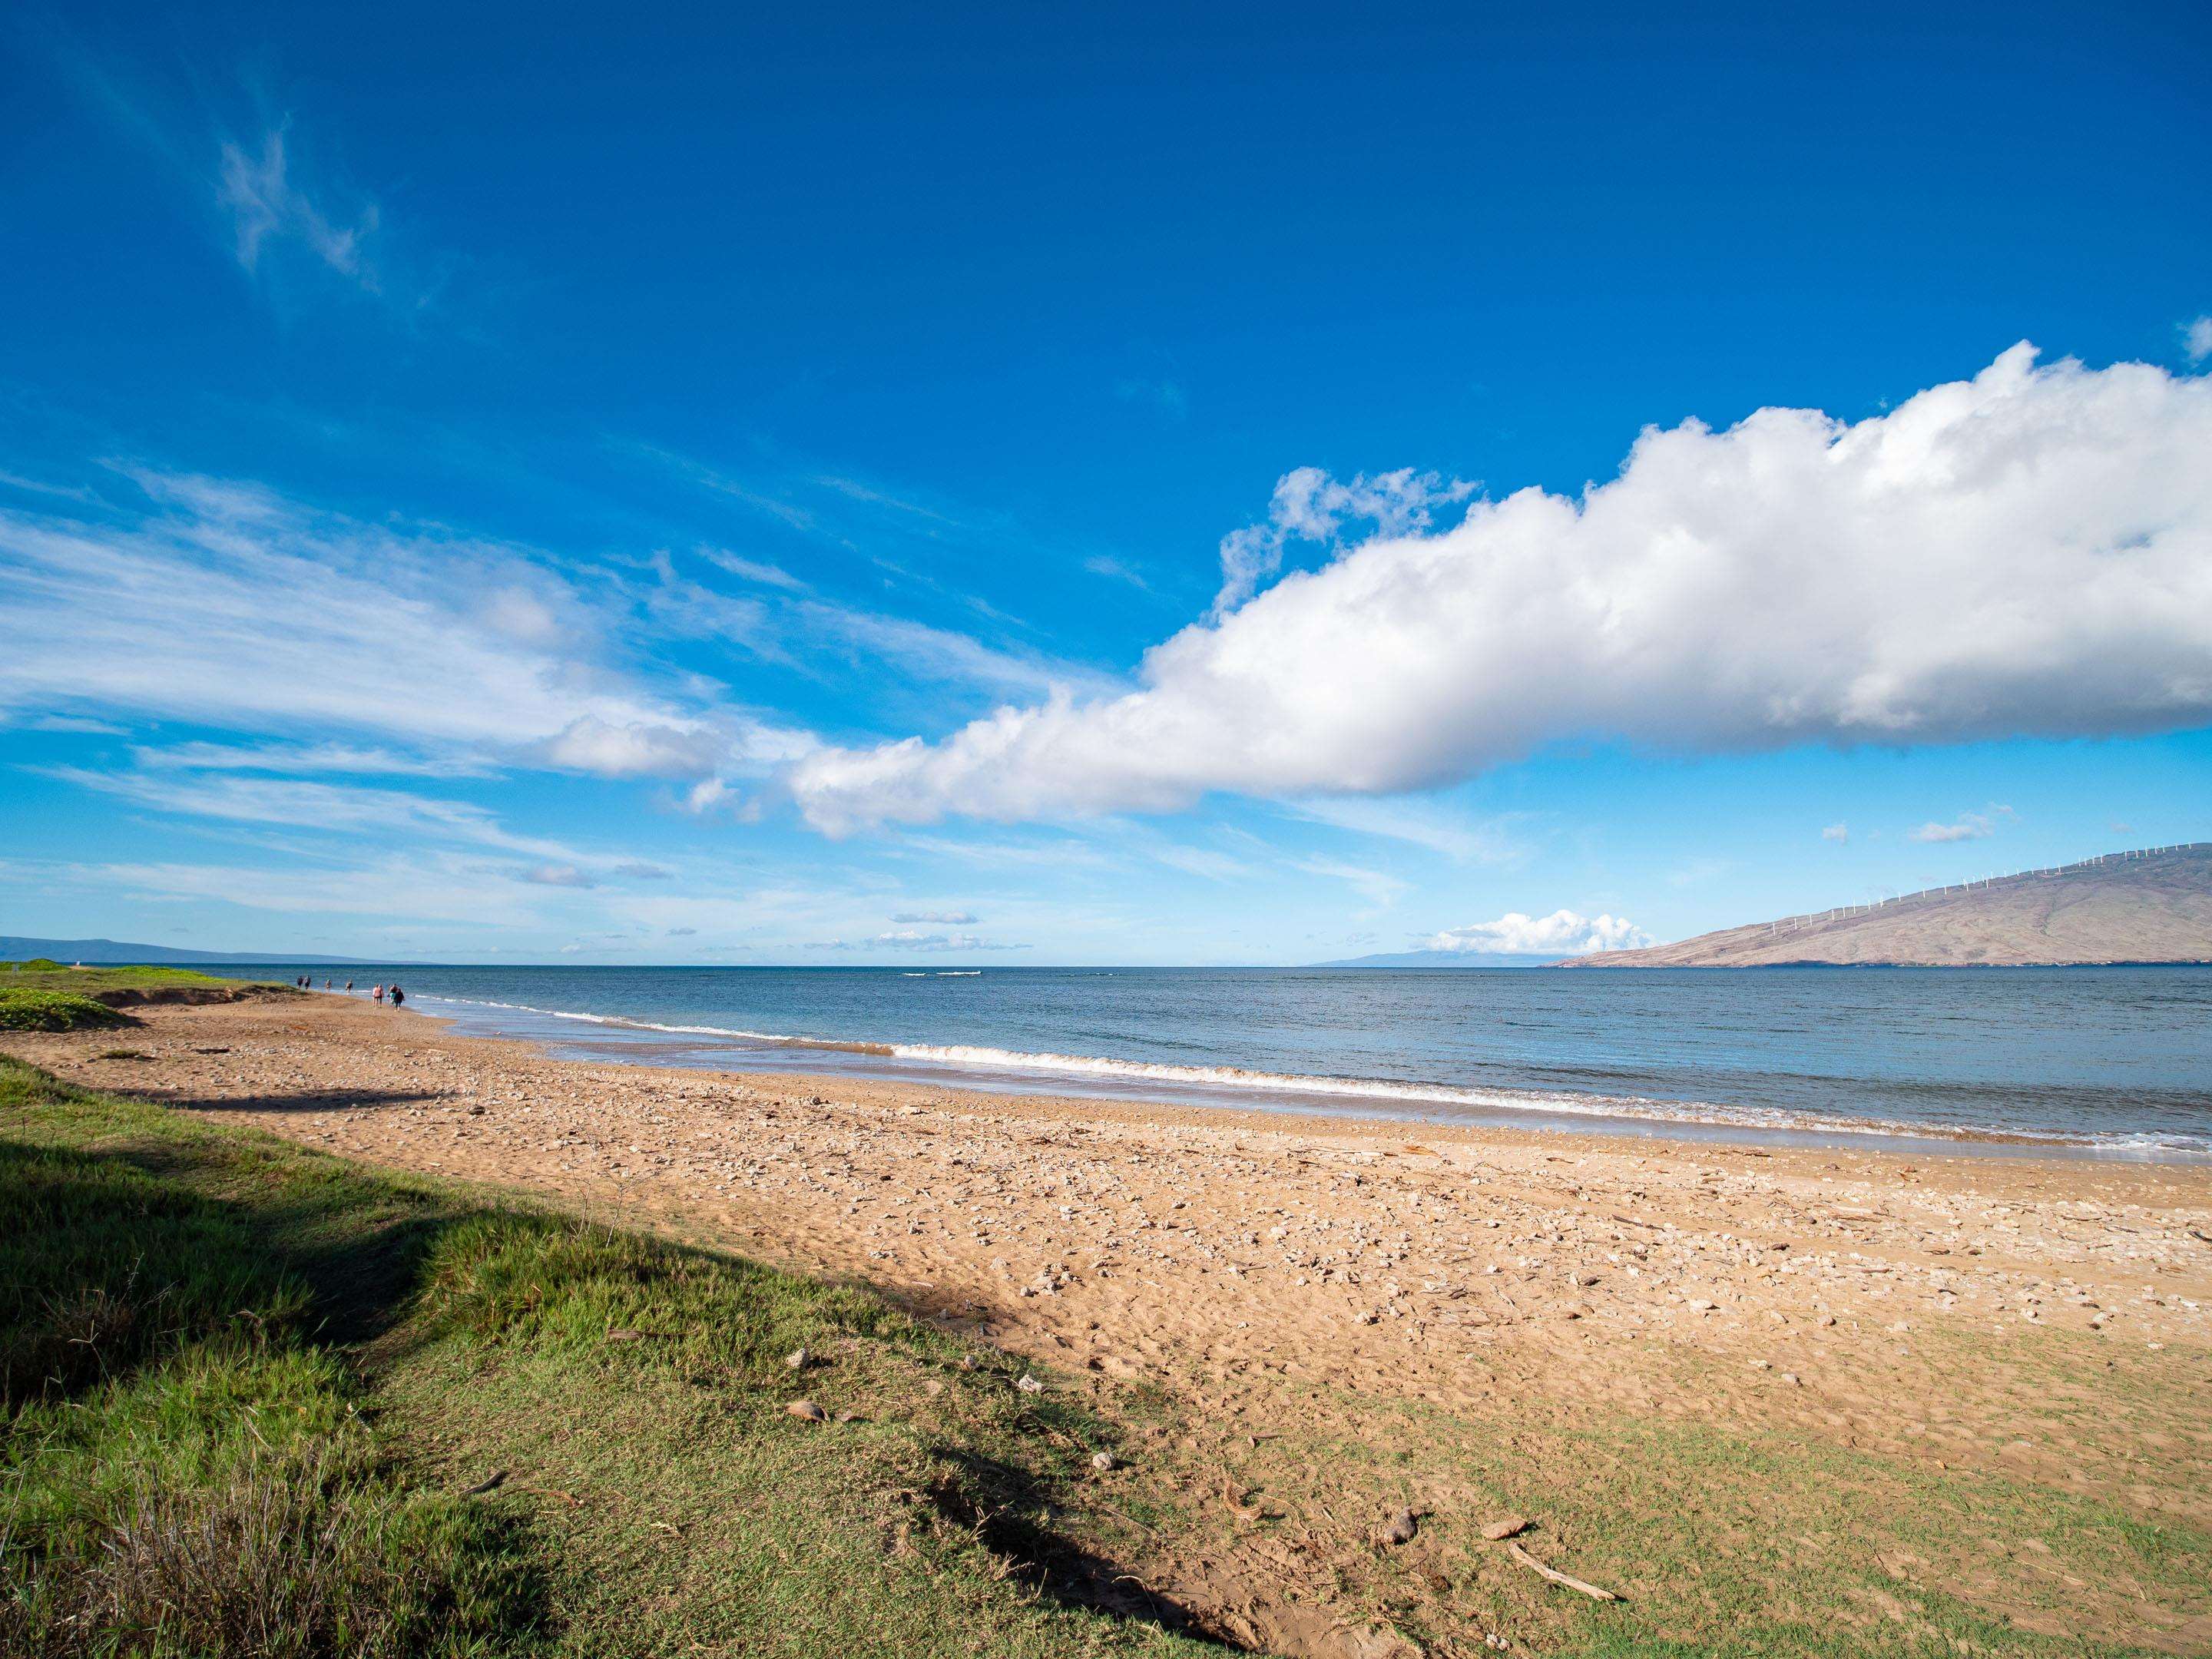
x,y
258,1401
53,1011
42,995
41,974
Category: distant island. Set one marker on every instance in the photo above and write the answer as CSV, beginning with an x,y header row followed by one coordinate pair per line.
x,y
2153,906
108,952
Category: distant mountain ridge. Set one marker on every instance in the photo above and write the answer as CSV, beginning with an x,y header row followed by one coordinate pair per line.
x,y
2154,905
106,951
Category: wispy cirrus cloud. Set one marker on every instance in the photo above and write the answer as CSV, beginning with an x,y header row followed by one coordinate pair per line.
x,y
310,807
1439,829
294,758
414,888
1378,887
1120,570
258,188
941,654
232,154
225,603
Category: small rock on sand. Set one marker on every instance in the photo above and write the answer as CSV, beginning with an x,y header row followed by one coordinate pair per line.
x,y
1511,1527
807,1409
797,1358
1029,1384
1103,1460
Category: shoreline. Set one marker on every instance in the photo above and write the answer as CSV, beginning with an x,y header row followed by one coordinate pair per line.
x,y
504,1063
1167,1086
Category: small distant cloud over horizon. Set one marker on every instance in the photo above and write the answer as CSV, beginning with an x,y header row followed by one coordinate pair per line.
x,y
682,932
558,875
1968,826
1562,934
1838,833
939,918
910,938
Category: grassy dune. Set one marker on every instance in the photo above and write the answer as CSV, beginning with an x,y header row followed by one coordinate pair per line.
x,y
42,995
42,974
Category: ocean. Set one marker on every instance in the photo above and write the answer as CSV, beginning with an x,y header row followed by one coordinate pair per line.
x,y
2111,1063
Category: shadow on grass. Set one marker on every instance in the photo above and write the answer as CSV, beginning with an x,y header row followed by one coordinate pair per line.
x,y
120,1255
1000,1502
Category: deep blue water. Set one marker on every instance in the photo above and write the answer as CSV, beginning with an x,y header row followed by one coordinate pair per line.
x,y
2111,1060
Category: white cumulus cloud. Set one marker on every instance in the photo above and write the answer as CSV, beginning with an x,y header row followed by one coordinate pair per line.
x,y
2029,552
1837,832
1562,934
1309,505
635,748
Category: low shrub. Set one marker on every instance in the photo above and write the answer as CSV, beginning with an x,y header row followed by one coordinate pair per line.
x,y
55,1010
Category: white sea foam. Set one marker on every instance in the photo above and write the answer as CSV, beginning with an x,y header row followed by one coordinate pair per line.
x,y
781,1039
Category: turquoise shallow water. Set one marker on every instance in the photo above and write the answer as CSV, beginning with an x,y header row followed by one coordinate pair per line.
x,y
2106,1061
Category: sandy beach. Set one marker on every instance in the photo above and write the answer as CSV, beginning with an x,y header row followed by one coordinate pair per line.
x,y
2048,1318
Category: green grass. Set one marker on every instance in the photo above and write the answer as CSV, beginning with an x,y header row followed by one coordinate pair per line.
x,y
247,1389
41,973
42,995
1727,1541
54,1011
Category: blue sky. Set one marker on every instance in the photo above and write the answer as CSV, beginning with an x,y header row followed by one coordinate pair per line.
x,y
1126,486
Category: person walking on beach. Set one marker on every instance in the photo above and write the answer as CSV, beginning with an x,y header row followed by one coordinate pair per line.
x,y
348,985
378,994
399,996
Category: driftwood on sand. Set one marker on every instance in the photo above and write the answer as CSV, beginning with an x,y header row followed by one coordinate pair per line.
x,y
1556,1575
